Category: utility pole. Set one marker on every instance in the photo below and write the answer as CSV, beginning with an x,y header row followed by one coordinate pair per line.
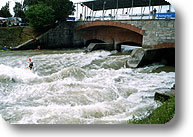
x,y
149,8
104,9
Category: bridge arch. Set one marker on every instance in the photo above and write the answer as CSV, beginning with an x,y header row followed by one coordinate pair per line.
x,y
110,32
112,23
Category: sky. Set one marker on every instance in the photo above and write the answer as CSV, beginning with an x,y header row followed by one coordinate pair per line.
x,y
11,4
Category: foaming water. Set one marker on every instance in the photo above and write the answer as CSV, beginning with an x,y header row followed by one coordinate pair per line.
x,y
71,87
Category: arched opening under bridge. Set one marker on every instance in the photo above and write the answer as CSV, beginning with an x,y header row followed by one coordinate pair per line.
x,y
93,41
129,46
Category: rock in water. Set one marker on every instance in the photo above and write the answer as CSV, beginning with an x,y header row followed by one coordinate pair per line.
x,y
164,94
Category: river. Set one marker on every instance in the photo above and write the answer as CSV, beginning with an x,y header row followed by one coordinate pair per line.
x,y
72,87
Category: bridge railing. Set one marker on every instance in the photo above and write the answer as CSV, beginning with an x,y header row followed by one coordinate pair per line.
x,y
84,13
170,15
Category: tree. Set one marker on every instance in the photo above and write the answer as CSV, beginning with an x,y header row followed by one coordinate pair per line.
x,y
4,12
18,10
62,8
28,3
40,15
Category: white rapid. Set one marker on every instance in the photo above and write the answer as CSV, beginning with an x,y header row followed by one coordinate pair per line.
x,y
71,87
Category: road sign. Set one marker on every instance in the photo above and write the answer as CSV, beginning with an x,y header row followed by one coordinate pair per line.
x,y
165,15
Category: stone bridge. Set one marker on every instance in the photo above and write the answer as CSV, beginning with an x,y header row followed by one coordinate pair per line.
x,y
145,33
110,32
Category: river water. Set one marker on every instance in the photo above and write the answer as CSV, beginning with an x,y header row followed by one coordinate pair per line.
x,y
72,87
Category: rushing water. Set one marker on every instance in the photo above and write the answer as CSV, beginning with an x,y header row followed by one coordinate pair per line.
x,y
69,86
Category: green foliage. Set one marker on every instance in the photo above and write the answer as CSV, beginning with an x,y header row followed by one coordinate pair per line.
x,y
62,8
40,15
4,12
43,12
161,115
28,3
18,10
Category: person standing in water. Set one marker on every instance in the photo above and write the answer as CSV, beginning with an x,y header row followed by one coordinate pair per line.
x,y
30,64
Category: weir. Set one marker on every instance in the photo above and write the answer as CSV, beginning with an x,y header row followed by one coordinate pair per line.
x,y
98,46
151,33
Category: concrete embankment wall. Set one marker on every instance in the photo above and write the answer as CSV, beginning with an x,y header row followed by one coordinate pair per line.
x,y
141,57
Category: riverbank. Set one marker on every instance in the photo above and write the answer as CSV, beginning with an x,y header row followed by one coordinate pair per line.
x,y
13,36
161,115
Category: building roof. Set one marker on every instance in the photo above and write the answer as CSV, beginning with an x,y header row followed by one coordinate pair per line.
x,y
113,4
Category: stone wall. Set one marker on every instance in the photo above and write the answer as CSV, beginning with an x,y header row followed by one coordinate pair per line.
x,y
59,37
157,32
